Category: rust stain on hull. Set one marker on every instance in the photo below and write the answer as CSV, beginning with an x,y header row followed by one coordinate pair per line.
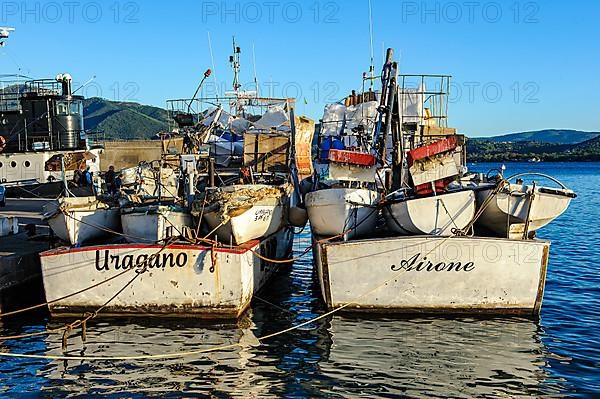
x,y
540,293
447,310
221,313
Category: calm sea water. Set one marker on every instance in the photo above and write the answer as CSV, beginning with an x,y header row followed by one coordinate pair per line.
x,y
339,356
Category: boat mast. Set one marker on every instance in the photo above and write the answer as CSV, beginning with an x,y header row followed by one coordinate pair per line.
x,y
372,66
234,60
255,76
384,110
391,101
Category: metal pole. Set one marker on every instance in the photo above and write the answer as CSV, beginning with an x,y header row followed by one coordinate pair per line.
x,y
63,174
211,172
385,76
293,166
389,109
531,198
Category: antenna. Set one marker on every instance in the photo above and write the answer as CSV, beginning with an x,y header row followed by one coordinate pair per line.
x,y
255,78
212,60
90,80
234,60
372,66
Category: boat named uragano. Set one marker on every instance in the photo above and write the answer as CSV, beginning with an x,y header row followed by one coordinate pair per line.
x,y
161,279
203,228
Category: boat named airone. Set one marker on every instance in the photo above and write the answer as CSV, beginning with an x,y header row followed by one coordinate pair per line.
x,y
430,237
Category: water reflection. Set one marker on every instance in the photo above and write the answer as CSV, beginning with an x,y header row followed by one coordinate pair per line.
x,y
438,357
343,356
222,371
338,357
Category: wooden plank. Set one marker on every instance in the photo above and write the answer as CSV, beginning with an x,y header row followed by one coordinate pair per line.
x,y
438,131
432,169
305,130
271,154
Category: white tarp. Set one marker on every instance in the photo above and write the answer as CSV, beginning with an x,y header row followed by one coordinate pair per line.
x,y
364,114
239,125
224,118
411,104
333,119
223,150
274,117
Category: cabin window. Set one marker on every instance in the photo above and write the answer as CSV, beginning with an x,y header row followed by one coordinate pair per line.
x,y
27,164
62,108
13,164
75,107
1,164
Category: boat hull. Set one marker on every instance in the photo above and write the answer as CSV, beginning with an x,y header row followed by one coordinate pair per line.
x,y
436,215
77,227
153,225
77,220
247,212
434,275
181,280
337,211
508,210
258,221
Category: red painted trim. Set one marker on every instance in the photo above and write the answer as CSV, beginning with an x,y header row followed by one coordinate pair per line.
x,y
234,250
432,149
352,157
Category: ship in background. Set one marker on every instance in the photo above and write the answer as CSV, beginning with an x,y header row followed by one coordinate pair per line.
x,y
42,130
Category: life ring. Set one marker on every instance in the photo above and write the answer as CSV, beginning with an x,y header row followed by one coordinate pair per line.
x,y
2,143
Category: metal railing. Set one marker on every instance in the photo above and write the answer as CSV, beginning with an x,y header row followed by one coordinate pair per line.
x,y
237,105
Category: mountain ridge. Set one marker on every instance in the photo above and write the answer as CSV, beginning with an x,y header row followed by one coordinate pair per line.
x,y
123,120
128,121
554,136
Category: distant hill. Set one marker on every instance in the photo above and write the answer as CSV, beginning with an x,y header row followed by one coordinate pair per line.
x,y
123,120
480,150
555,136
588,145
127,121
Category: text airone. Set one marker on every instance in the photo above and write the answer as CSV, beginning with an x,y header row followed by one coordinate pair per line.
x,y
418,264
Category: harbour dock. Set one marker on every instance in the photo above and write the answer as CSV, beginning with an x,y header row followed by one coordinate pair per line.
x,y
20,274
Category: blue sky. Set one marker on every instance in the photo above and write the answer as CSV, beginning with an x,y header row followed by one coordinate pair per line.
x,y
516,65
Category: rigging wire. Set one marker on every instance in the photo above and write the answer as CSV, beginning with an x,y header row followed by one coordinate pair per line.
x,y
212,60
372,66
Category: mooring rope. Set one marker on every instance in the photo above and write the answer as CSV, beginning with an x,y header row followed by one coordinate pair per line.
x,y
183,354
106,229
45,304
482,208
77,323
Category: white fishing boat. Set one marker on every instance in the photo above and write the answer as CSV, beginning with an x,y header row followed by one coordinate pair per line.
x,y
348,211
160,280
240,213
441,214
440,267
154,223
515,210
149,180
78,220
432,274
